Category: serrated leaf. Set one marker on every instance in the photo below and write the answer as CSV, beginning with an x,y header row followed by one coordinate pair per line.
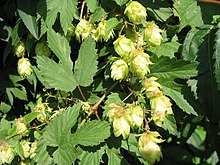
x,y
65,154
92,133
58,129
67,10
110,25
193,40
86,64
21,94
93,158
188,12
53,75
173,90
115,157
5,108
216,56
91,4
98,14
27,12
121,2
59,45
30,117
166,49
171,69
169,124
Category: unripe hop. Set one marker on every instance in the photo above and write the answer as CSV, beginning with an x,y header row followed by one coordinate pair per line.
x,y
24,67
119,70
135,12
100,32
42,49
83,29
152,34
152,88
136,115
6,153
123,46
121,127
20,49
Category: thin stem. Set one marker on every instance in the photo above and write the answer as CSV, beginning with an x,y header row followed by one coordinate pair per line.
x,y
81,93
95,107
128,96
82,8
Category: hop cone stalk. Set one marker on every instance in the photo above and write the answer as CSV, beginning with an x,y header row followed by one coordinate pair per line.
x,y
148,147
123,46
135,12
140,62
24,67
152,35
119,70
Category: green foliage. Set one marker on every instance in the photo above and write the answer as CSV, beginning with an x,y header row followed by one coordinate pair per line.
x,y
70,110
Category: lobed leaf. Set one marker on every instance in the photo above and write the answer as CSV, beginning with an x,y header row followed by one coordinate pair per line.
x,y
169,124
92,133
91,4
92,157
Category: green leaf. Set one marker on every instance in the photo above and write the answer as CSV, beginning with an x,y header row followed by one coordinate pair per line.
x,y
110,25
115,157
92,133
5,108
21,94
65,154
86,64
121,2
91,4
27,12
166,49
58,129
67,10
98,14
59,45
174,91
216,56
93,158
53,75
188,12
170,124
171,69
30,117
193,40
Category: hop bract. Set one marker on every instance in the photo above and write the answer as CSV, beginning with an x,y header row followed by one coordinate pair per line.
x,y
20,49
123,46
135,12
83,29
152,34
148,147
24,67
136,114
140,63
42,49
100,32
161,106
152,88
119,70
6,153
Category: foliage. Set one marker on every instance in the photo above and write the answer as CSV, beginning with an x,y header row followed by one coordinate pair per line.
x,y
73,102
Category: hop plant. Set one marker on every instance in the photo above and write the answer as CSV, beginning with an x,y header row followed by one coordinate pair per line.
x,y
6,153
42,49
26,148
100,32
33,149
70,32
21,127
136,115
152,88
135,12
83,29
152,34
20,49
41,108
148,147
140,62
123,46
161,106
24,67
119,70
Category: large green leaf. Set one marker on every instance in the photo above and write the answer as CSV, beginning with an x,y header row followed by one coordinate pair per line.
x,y
92,133
93,158
110,25
170,124
121,2
27,12
216,56
67,10
86,64
58,130
98,15
59,45
188,12
91,4
53,75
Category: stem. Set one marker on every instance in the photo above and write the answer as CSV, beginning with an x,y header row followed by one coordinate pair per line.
x,y
128,96
82,8
81,93
95,107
